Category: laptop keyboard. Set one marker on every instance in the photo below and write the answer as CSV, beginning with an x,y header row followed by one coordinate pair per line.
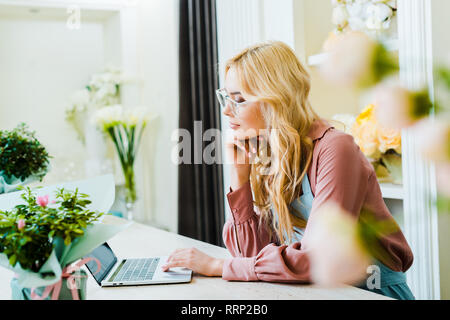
x,y
137,270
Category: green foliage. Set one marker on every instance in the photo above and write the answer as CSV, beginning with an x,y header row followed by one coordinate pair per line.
x,y
443,74
21,154
371,230
65,219
385,63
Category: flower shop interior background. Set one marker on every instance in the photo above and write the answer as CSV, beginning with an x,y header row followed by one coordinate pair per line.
x,y
47,62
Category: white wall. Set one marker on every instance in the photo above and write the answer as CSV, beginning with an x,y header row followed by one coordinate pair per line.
x,y
158,69
42,63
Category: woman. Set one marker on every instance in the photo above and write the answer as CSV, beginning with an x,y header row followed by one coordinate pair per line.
x,y
310,163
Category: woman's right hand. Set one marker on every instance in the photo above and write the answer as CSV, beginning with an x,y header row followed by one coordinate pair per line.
x,y
241,152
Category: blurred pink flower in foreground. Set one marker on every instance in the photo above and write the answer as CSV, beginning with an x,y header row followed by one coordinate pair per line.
x,y
394,106
336,252
399,108
443,179
433,139
21,224
42,201
354,59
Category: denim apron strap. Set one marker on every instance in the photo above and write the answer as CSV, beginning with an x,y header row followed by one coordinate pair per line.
x,y
301,208
391,283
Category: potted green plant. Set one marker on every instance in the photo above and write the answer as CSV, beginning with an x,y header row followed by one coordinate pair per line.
x,y
42,241
23,159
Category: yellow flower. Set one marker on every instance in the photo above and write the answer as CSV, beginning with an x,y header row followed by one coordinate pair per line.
x,y
372,138
365,132
368,114
390,139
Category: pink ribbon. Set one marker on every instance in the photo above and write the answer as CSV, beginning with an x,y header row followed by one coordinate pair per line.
x,y
71,281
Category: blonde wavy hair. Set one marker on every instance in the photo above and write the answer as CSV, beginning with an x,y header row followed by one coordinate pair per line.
x,y
271,74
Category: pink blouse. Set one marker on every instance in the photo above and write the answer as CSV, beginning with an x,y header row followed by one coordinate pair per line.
x,y
339,172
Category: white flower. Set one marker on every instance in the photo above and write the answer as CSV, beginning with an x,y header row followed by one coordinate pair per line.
x,y
378,14
96,81
108,116
80,99
340,16
390,3
136,115
347,120
373,23
355,9
339,2
356,23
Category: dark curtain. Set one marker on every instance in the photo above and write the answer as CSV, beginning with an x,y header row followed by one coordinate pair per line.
x,y
200,186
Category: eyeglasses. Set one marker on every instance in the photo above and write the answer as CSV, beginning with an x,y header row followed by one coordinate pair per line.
x,y
225,99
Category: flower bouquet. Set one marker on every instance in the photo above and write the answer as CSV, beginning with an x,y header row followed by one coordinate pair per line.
x,y
103,90
23,159
374,17
380,145
125,128
43,236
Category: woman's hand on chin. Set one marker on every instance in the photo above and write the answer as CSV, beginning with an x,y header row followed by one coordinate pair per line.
x,y
195,260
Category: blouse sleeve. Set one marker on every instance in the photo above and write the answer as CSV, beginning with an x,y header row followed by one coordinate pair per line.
x,y
256,256
243,234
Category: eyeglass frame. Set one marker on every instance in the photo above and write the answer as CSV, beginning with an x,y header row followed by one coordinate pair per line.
x,y
224,98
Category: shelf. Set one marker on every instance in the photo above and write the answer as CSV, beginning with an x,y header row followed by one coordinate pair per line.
x,y
392,191
59,9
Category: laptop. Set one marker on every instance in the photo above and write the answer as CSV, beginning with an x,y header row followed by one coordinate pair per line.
x,y
132,272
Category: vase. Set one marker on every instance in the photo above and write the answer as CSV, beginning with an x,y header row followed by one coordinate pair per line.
x,y
130,191
20,293
11,184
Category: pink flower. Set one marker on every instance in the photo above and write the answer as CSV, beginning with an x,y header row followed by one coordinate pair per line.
x,y
351,60
433,139
398,107
21,224
336,253
394,106
42,201
443,179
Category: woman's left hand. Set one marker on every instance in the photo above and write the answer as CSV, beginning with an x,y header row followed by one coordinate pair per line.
x,y
195,260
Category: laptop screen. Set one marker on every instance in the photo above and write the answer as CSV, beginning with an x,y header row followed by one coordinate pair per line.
x,y
107,260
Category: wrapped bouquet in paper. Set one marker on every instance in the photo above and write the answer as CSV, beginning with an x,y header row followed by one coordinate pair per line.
x,y
23,159
46,232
